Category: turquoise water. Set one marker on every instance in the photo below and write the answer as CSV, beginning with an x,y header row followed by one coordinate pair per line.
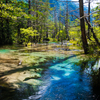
x,y
64,80
5,50
61,79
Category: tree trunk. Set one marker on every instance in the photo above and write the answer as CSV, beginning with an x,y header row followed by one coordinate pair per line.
x,y
29,12
89,20
66,22
47,32
82,24
37,27
59,24
40,34
55,21
7,29
2,36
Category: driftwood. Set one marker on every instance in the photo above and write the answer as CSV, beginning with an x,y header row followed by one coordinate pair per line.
x,y
94,36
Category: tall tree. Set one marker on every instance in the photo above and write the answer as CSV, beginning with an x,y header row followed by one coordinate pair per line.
x,y
7,26
55,21
66,21
88,19
82,25
29,12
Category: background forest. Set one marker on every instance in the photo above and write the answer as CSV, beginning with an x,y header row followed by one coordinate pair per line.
x,y
36,21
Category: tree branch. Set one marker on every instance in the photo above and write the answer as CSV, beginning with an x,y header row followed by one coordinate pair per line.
x,y
94,36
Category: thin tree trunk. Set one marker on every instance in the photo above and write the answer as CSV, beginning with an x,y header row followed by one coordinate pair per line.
x,y
82,24
59,24
40,34
66,24
18,30
29,12
94,36
36,15
89,20
47,32
7,29
37,27
2,37
55,21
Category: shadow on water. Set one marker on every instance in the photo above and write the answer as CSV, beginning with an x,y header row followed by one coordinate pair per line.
x,y
92,67
6,90
48,64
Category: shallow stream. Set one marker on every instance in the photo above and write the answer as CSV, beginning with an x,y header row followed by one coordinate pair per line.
x,y
61,79
64,81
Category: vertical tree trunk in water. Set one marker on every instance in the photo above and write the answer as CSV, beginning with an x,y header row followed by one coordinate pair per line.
x,y
82,24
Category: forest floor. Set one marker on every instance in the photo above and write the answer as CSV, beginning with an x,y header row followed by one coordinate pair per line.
x,y
11,72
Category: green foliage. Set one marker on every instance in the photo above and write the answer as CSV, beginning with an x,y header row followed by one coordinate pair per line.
x,y
28,33
11,11
75,35
11,20
15,17
97,15
61,34
97,31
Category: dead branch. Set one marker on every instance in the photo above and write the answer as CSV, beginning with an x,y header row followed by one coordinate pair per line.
x,y
94,36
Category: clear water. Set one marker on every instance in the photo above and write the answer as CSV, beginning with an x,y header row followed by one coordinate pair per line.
x,y
6,50
64,81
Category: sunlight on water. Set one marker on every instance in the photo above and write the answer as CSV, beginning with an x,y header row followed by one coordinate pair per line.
x,y
66,74
55,78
